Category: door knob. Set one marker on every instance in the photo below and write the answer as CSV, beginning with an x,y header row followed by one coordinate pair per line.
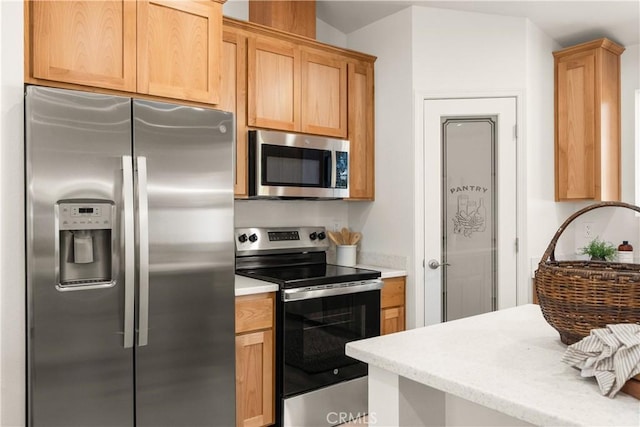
x,y
433,264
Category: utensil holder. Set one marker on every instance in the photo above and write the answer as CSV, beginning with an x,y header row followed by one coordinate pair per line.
x,y
346,255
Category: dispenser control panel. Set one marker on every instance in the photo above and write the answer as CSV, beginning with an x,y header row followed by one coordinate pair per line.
x,y
85,215
85,211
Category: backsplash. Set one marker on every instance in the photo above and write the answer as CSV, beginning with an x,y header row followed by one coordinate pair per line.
x,y
611,224
382,260
331,214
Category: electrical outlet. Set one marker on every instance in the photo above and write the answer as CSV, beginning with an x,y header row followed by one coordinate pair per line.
x,y
587,230
335,225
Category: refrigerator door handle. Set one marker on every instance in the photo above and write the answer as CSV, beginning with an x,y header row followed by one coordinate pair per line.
x,y
129,256
143,252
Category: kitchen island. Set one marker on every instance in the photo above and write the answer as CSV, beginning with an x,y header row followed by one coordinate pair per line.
x,y
499,368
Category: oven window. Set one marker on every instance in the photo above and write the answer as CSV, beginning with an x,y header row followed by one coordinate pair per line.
x,y
315,334
292,166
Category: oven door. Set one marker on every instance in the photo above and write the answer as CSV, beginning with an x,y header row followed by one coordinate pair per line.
x,y
315,331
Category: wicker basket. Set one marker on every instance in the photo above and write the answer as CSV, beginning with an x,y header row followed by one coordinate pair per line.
x,y
577,296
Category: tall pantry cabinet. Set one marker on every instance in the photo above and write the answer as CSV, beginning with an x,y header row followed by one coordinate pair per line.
x,y
587,121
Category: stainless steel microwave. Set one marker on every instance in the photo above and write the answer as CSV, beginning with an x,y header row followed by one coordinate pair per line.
x,y
286,165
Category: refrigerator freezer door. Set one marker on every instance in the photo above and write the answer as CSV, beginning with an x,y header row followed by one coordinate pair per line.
x,y
185,373
80,373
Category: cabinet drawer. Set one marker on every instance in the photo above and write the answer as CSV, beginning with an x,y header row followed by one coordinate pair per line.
x,y
254,312
392,294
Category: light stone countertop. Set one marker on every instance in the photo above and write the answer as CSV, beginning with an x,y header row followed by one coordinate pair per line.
x,y
507,360
249,286
387,273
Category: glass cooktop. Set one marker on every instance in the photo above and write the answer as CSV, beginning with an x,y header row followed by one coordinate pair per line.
x,y
309,275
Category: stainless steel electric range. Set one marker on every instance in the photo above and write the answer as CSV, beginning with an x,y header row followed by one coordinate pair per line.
x,y
320,308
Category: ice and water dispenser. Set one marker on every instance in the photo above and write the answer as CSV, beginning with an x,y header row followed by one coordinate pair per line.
x,y
85,243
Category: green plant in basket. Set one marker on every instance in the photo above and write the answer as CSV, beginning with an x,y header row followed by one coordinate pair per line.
x,y
599,250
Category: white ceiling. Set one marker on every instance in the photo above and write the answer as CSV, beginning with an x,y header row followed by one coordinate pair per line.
x,y
568,22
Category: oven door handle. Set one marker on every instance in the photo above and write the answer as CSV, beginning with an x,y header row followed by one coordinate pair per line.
x,y
290,295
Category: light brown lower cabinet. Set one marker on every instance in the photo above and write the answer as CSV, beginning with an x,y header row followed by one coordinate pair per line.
x,y
255,360
392,304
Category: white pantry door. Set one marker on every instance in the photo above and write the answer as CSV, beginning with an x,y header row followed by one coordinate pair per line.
x,y
470,206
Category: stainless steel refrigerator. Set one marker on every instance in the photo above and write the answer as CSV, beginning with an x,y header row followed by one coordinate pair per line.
x,y
130,262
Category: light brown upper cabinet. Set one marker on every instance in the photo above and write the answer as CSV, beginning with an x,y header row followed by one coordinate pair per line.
x,y
293,88
273,84
233,98
90,43
587,121
324,94
169,49
361,131
179,45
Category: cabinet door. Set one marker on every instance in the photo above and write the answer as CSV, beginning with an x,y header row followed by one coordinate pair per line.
x,y
392,320
233,97
576,127
179,44
254,379
392,302
361,131
324,94
273,84
90,43
392,294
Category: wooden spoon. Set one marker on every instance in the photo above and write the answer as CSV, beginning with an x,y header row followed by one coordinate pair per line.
x,y
335,237
346,236
355,238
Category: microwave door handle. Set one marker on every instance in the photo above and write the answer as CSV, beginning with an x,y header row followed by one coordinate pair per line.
x,y
333,167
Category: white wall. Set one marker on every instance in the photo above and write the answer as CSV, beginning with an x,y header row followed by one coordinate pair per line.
x,y
1,171
544,215
387,223
453,53
276,213
12,281
448,52
325,33
459,52
630,82
238,9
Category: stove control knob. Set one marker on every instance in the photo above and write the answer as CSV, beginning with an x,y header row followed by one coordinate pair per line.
x,y
322,235
242,238
253,238
313,236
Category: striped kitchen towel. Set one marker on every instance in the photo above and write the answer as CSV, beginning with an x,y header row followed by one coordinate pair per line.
x,y
611,354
